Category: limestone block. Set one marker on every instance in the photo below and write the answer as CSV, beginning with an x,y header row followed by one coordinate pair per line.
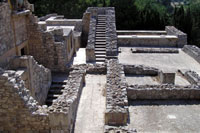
x,y
167,77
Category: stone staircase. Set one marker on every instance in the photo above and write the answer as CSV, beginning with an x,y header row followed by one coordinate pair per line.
x,y
100,40
55,90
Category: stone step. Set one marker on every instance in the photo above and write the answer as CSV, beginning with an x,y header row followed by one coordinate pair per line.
x,y
100,43
101,26
100,46
98,40
100,59
55,91
101,23
101,16
57,86
100,49
100,56
100,35
100,52
54,96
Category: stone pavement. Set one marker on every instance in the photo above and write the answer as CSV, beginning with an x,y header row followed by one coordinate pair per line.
x,y
165,116
90,113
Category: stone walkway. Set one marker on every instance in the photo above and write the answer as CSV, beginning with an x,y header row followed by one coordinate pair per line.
x,y
80,57
90,114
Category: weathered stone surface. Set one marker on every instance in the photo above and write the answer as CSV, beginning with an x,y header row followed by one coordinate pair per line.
x,y
192,77
116,95
140,70
167,77
167,91
90,49
155,50
193,51
38,78
182,37
113,129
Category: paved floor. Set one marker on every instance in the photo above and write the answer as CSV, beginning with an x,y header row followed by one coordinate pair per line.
x,y
152,80
160,61
168,117
80,57
90,114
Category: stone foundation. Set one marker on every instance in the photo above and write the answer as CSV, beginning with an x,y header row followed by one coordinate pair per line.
x,y
192,51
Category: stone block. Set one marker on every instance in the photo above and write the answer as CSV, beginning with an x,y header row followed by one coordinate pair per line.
x,y
167,77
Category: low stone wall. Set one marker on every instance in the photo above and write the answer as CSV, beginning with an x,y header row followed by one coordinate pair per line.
x,y
111,34
140,32
140,70
155,50
38,77
90,49
192,51
123,129
148,40
163,92
182,37
64,108
116,95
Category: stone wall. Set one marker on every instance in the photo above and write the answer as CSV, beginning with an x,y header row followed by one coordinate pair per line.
x,y
64,108
116,95
90,49
49,48
148,40
140,70
6,33
192,51
19,111
182,37
38,77
111,34
164,91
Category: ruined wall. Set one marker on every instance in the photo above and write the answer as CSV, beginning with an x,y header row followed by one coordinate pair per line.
x,y
111,34
165,91
116,96
90,49
20,24
19,111
182,37
44,47
64,108
192,51
38,77
140,70
6,34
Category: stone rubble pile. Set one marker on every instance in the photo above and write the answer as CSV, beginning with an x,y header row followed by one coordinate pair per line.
x,y
116,95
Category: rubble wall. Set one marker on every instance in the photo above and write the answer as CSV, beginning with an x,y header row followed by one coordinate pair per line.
x,y
39,77
19,111
116,95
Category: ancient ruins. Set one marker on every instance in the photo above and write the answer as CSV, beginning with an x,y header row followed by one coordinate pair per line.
x,y
63,75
